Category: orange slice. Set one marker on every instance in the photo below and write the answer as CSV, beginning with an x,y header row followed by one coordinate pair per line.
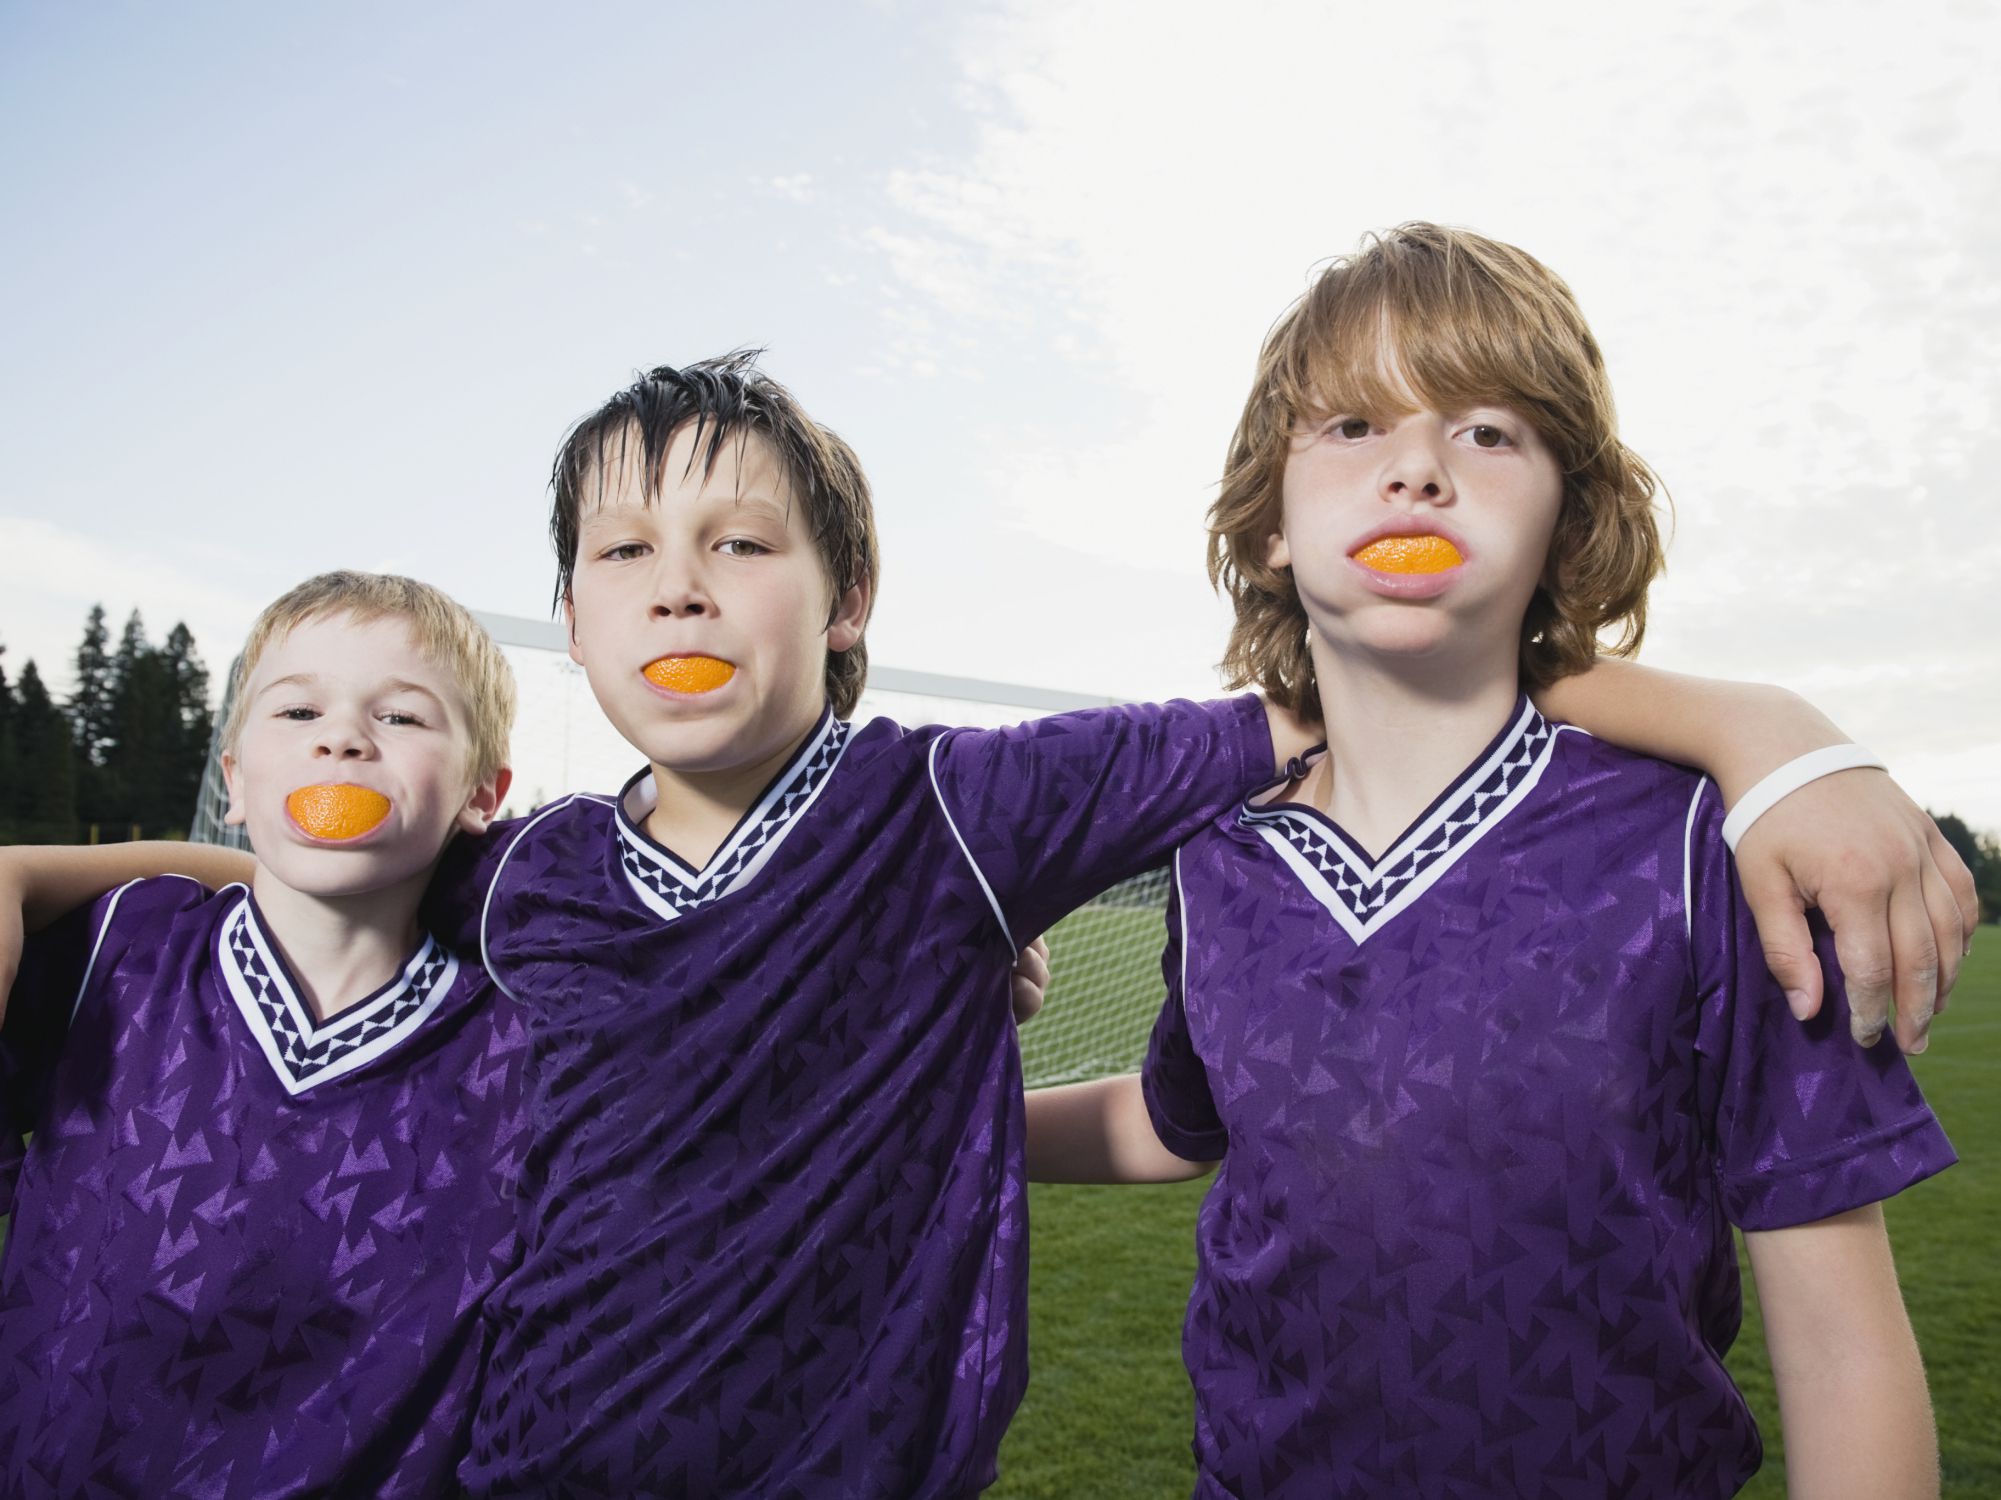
x,y
336,811
1410,554
689,674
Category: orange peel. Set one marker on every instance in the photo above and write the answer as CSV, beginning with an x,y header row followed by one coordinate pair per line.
x,y
336,810
1410,554
689,674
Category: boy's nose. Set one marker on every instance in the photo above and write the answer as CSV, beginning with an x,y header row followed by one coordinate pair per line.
x,y
1415,471
342,740
680,600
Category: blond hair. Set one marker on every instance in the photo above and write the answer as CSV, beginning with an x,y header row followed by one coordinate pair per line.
x,y
1457,320
442,629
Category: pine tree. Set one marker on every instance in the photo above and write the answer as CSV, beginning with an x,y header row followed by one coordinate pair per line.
x,y
42,796
8,763
190,679
141,762
90,717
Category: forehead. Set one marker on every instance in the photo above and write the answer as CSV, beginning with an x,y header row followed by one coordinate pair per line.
x,y
698,466
345,649
1381,360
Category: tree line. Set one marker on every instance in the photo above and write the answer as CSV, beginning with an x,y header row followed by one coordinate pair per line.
x,y
123,757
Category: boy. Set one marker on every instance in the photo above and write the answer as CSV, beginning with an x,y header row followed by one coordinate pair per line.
x,y
773,1225
274,1129
1470,1008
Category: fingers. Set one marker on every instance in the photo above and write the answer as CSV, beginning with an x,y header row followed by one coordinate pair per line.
x,y
1782,930
1948,935
1959,881
1915,950
1029,982
11,941
1868,955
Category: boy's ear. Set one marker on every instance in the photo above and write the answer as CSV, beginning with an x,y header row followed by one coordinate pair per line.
x,y
236,815
483,805
1278,554
570,629
849,618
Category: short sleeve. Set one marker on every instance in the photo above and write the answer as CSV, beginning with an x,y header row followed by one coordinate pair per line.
x,y
1054,811
456,895
56,966
1173,1081
1805,1124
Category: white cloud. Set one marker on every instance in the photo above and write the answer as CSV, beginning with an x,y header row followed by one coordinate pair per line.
x,y
50,576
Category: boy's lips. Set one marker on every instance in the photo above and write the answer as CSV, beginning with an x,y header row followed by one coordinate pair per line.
x,y
1409,552
689,674
336,812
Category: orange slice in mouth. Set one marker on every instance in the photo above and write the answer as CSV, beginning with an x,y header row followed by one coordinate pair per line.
x,y
1410,554
689,674
336,811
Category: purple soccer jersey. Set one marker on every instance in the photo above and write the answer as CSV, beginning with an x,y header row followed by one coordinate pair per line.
x,y
249,1248
775,1219
1486,1109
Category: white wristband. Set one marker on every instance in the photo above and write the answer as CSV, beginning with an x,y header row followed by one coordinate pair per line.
x,y
1788,779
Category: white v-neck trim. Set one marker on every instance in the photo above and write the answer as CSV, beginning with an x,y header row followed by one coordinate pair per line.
x,y
304,1052
1363,895
668,886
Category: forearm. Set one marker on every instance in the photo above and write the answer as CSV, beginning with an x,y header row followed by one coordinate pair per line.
x,y
1099,1132
1851,1386
1738,732
49,880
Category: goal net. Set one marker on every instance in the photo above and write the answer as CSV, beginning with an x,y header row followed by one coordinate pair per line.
x,y
1105,985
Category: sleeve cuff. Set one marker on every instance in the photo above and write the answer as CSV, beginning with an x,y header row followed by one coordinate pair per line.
x,y
1189,1145
1856,1173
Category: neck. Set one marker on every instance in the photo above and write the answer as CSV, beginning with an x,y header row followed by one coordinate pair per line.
x,y
1399,731
341,949
694,811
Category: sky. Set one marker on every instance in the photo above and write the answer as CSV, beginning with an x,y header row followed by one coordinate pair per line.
x,y
291,288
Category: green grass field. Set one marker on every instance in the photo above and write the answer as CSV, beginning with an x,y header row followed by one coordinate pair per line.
x,y
1108,1410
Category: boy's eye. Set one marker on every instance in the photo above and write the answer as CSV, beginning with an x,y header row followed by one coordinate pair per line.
x,y
743,546
401,716
623,552
1352,428
299,715
1487,437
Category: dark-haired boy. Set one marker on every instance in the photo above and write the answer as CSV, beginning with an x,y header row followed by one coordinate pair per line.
x,y
775,1242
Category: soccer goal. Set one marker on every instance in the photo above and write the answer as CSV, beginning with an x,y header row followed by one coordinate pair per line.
x,y
1105,985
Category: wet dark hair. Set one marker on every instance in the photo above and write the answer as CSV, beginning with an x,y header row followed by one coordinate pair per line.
x,y
727,399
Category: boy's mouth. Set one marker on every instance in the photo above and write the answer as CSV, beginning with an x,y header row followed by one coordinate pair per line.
x,y
336,812
1425,553
689,674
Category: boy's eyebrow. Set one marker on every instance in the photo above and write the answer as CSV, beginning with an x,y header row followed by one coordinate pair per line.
x,y
311,679
404,685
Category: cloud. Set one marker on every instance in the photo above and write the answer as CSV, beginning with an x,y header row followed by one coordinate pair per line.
x,y
50,576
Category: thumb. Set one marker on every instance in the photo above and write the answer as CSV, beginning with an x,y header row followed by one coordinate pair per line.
x,y
1788,945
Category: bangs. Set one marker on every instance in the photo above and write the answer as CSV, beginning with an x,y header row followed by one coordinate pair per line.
x,y
1390,332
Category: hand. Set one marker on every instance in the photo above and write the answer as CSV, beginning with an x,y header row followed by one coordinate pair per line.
x,y
1900,901
12,934
1030,979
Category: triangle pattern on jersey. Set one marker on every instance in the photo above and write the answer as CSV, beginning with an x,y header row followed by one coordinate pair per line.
x,y
1364,894
303,1050
668,885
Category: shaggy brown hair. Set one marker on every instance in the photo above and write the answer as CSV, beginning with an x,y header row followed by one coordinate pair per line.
x,y
1466,321
726,399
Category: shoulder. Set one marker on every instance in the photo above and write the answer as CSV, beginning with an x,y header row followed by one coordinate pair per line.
x,y
155,906
1583,765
